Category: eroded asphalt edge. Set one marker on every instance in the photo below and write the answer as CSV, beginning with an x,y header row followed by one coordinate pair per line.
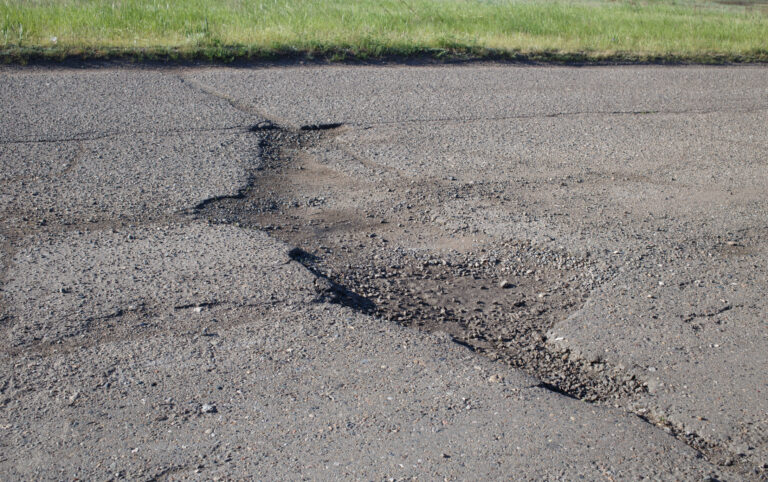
x,y
345,295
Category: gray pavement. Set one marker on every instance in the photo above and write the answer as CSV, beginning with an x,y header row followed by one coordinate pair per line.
x,y
143,342
300,388
124,176
95,103
374,95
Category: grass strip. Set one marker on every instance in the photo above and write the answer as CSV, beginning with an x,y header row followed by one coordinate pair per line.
x,y
227,30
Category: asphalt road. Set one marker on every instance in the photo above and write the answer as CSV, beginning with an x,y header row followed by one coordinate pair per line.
x,y
157,322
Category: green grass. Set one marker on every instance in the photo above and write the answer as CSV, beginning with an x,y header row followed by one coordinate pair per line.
x,y
335,29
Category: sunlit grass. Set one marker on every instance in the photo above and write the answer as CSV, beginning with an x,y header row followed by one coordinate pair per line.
x,y
366,28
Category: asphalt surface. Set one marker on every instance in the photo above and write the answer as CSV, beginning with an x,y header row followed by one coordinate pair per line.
x,y
155,327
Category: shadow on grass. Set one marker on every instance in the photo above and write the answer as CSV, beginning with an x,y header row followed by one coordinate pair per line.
x,y
243,56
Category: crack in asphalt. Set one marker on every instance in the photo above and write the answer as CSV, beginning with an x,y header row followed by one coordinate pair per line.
x,y
554,115
350,275
86,136
359,286
248,108
116,134
360,263
234,103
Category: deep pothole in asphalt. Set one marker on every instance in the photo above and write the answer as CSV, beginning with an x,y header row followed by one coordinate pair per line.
x,y
374,241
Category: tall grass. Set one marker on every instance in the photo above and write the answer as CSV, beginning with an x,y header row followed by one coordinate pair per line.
x,y
365,28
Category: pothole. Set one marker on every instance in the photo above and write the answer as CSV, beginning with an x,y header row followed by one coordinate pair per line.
x,y
379,250
371,236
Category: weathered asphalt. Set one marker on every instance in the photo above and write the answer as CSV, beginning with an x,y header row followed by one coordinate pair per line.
x,y
122,316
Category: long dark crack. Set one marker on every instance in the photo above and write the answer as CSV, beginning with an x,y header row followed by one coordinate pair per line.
x,y
376,247
90,136
568,114
712,452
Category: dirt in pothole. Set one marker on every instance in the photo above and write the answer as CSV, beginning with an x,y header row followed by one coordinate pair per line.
x,y
371,232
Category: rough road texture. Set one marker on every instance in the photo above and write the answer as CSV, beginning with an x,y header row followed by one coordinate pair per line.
x,y
384,272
